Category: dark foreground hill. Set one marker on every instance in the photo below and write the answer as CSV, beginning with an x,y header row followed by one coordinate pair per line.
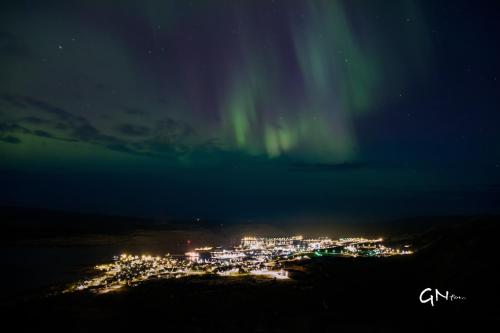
x,y
326,294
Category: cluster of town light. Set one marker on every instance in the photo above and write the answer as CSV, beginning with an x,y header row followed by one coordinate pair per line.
x,y
254,256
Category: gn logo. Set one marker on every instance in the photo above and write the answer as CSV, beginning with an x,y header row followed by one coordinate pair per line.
x,y
428,295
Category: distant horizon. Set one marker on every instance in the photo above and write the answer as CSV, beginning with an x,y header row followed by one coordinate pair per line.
x,y
198,221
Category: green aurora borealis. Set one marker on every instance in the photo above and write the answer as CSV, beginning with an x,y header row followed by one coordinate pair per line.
x,y
239,109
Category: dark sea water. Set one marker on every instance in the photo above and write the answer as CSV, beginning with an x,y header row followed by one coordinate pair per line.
x,y
38,266
32,269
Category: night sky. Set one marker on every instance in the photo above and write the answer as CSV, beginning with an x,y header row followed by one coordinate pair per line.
x,y
251,109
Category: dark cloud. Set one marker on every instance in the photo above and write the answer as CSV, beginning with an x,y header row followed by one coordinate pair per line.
x,y
89,133
167,139
13,100
24,102
170,131
6,127
59,112
35,120
10,139
133,130
43,134
61,126
79,127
